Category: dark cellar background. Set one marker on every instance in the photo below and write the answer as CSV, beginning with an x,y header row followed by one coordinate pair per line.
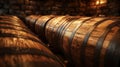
x,y
60,7
24,9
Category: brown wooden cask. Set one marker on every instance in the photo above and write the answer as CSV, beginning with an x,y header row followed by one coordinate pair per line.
x,y
31,20
40,26
88,41
12,20
14,23
53,28
22,49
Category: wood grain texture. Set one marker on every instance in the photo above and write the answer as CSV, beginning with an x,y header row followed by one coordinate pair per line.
x,y
85,40
31,20
41,25
22,49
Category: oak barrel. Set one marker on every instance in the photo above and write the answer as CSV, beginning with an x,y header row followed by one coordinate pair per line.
x,y
31,20
88,41
40,26
12,20
54,28
22,49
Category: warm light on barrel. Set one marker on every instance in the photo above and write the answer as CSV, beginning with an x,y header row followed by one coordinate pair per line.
x,y
99,2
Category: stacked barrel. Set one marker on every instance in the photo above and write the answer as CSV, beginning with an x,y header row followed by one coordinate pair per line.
x,y
86,41
38,23
19,47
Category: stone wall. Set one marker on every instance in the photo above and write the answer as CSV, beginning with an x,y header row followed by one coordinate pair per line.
x,y
58,7
27,7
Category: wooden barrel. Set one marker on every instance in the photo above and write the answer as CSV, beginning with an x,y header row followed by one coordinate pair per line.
x,y
40,26
31,20
12,20
89,41
22,49
54,28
